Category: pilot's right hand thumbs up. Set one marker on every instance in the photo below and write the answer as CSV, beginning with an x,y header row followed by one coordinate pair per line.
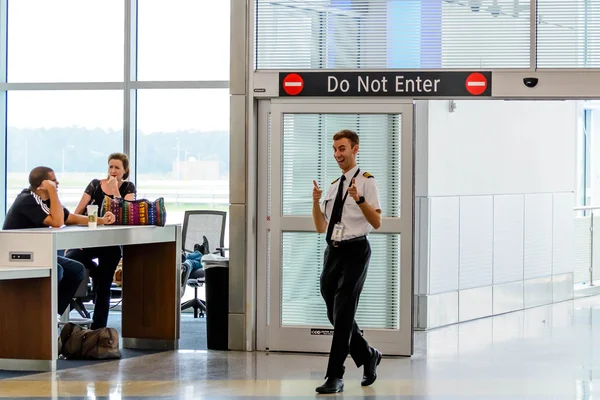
x,y
316,192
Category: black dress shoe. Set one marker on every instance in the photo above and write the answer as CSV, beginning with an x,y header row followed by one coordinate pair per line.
x,y
205,248
370,368
331,385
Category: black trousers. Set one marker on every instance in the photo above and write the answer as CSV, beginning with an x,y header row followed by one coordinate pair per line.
x,y
102,275
342,280
69,276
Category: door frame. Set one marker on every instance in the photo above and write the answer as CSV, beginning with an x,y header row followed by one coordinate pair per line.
x,y
268,299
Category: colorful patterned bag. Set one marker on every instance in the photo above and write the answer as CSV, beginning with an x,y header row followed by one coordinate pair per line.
x,y
136,212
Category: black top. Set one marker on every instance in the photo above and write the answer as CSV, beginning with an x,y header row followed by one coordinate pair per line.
x,y
94,189
28,211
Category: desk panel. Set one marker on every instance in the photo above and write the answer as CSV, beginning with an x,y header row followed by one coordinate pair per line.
x,y
39,246
150,296
25,319
9,273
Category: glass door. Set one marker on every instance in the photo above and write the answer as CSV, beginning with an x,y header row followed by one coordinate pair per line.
x,y
295,148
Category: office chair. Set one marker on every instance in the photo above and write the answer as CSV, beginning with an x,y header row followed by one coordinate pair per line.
x,y
84,294
196,224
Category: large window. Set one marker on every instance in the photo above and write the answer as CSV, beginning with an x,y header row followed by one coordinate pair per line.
x,y
186,40
588,154
466,34
183,148
392,34
567,33
69,105
65,41
584,139
71,132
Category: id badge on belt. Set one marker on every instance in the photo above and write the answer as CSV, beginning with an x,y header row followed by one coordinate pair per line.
x,y
338,230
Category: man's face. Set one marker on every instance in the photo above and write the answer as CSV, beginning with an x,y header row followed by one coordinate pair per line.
x,y
344,153
52,177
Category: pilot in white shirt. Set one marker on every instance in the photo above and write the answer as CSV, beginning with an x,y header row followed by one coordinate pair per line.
x,y
354,222
349,211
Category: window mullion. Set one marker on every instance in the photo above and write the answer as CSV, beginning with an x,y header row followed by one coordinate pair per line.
x,y
3,100
533,35
129,94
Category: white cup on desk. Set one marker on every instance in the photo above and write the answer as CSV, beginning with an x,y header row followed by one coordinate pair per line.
x,y
92,213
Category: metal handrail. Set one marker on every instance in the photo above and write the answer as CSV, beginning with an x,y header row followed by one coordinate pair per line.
x,y
585,208
590,208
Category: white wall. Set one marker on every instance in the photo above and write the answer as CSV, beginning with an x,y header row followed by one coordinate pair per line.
x,y
501,147
496,206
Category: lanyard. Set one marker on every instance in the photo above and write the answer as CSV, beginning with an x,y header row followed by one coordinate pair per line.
x,y
346,195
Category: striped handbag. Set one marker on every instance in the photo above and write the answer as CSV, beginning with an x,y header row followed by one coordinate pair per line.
x,y
136,212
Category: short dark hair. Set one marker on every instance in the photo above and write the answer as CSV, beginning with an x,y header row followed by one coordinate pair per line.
x,y
38,175
124,159
348,134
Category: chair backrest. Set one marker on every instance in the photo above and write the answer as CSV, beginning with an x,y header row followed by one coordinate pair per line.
x,y
209,223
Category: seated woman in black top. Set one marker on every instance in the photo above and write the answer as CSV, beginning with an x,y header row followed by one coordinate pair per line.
x,y
115,185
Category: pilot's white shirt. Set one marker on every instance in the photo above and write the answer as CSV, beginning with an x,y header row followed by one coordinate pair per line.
x,y
354,222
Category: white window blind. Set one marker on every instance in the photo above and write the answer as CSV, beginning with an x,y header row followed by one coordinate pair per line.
x,y
568,33
308,156
379,34
302,261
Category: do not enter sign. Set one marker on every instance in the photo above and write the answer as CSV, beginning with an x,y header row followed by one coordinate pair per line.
x,y
476,83
432,84
293,84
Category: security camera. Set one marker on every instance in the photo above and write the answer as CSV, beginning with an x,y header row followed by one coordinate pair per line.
x,y
530,82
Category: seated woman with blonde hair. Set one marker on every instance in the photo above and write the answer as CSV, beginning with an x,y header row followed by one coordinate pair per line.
x,y
114,185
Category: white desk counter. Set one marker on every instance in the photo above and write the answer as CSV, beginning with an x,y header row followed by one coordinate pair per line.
x,y
9,273
28,287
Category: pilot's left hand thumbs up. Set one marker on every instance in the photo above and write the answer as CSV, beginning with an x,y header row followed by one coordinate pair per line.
x,y
353,191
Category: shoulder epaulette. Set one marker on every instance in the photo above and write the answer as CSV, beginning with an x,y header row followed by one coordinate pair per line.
x,y
335,181
368,175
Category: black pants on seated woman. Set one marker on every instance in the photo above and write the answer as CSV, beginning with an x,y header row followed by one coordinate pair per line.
x,y
114,185
102,277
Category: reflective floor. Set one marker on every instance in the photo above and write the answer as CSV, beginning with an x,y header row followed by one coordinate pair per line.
x,y
550,352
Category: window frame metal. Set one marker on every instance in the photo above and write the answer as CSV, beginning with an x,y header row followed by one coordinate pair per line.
x,y
533,48
129,86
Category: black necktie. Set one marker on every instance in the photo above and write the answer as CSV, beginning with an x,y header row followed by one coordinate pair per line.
x,y
336,213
